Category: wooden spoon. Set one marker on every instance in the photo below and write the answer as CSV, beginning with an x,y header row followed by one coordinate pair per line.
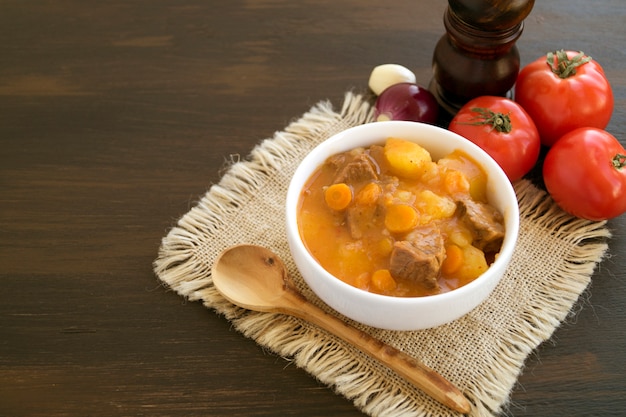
x,y
255,278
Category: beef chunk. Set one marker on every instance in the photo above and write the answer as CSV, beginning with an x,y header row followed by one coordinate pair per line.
x,y
337,160
357,217
361,168
485,222
419,257
362,218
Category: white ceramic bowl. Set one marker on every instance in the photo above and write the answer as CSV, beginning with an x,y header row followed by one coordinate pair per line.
x,y
398,313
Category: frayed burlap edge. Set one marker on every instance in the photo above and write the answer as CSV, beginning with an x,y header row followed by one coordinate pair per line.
x,y
187,252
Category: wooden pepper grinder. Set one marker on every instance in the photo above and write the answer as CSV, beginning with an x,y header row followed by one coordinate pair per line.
x,y
477,56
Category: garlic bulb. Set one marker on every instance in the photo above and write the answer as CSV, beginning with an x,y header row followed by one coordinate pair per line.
x,y
386,75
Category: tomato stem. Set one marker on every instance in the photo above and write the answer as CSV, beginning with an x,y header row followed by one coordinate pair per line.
x,y
619,161
498,121
563,66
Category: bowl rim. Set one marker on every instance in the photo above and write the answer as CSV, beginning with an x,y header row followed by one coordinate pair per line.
x,y
484,159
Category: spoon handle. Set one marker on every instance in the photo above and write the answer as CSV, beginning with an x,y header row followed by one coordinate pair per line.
x,y
406,366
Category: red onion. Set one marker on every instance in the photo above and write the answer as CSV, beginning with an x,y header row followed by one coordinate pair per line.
x,y
406,101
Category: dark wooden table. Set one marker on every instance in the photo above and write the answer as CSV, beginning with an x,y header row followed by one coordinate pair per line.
x,y
115,118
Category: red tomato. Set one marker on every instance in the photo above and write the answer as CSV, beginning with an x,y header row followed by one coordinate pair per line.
x,y
563,91
585,173
503,129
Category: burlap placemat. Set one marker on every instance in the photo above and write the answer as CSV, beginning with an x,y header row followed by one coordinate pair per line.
x,y
482,353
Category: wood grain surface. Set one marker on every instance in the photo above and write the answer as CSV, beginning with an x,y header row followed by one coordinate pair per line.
x,y
117,116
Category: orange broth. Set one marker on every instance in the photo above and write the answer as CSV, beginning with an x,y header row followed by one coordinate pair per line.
x,y
358,251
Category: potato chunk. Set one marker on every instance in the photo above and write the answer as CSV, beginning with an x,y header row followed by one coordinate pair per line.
x,y
433,207
406,159
474,264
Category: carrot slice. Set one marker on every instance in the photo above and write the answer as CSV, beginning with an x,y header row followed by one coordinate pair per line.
x,y
401,218
382,281
369,194
454,259
338,196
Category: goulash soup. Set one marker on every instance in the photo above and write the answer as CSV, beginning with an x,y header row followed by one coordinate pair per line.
x,y
390,220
